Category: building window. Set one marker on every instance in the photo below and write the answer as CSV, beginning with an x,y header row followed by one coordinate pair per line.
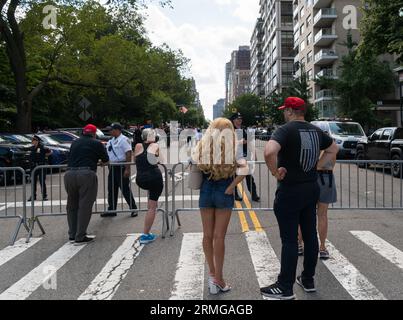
x,y
302,29
309,57
309,21
309,39
309,75
301,12
287,44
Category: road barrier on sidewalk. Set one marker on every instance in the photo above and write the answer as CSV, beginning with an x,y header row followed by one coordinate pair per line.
x,y
9,190
361,185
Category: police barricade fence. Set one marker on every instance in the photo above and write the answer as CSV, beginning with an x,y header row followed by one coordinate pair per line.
x,y
361,185
13,197
55,204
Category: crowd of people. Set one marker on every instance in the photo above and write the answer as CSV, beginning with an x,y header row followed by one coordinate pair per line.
x,y
299,155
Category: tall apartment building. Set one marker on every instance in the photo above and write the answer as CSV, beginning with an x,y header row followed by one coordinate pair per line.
x,y
275,26
320,29
227,81
195,93
256,60
238,74
218,109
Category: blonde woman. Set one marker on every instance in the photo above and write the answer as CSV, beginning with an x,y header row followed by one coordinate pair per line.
x,y
217,159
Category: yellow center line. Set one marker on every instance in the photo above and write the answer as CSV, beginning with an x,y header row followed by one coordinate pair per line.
x,y
252,213
242,218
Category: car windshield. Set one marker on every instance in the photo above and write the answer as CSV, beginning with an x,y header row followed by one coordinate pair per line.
x,y
346,129
21,138
62,137
4,140
48,140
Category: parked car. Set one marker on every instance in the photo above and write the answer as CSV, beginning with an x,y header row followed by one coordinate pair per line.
x,y
78,132
383,144
345,133
13,154
263,134
126,133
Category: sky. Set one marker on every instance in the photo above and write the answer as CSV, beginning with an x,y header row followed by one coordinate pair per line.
x,y
207,31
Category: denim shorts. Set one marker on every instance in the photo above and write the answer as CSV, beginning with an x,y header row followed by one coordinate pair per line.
x,y
212,194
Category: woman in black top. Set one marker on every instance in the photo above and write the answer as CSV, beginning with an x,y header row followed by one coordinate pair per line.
x,y
149,177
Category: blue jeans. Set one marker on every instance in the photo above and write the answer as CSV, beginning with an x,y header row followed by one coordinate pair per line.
x,y
212,194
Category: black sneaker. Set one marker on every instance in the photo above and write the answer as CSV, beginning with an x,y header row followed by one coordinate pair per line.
x,y
134,213
30,199
109,215
72,240
276,292
308,286
84,241
45,198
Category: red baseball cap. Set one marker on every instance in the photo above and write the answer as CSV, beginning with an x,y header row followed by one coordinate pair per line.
x,y
293,103
90,128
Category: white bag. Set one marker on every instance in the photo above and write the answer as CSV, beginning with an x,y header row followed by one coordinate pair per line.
x,y
195,178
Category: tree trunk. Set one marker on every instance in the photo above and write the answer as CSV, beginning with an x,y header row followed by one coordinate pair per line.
x,y
24,104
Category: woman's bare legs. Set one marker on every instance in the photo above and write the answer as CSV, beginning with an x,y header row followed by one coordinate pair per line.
x,y
208,221
150,216
222,219
322,224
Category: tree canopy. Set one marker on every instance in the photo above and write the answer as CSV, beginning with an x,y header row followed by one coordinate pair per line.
x,y
100,52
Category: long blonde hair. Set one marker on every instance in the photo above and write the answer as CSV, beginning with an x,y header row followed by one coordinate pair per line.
x,y
216,155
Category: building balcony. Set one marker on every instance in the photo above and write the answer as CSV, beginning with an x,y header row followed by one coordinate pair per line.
x,y
322,3
295,13
325,94
325,37
296,27
325,17
327,73
325,57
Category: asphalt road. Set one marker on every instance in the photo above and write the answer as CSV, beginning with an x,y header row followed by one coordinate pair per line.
x,y
366,248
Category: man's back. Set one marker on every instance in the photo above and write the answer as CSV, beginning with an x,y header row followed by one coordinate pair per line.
x,y
86,152
301,143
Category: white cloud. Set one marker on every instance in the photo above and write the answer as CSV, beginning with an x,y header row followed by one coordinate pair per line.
x,y
207,46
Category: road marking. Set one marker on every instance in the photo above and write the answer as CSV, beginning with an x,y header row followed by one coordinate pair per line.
x,y
189,278
265,261
107,282
357,285
382,247
19,247
242,217
22,289
99,202
252,213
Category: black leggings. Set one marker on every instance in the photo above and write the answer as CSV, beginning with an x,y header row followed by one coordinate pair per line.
x,y
153,183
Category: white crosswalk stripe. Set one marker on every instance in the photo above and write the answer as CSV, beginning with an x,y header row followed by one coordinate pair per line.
x,y
357,285
264,259
189,278
37,277
19,247
107,282
382,247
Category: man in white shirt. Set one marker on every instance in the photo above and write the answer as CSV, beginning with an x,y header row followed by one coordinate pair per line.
x,y
119,150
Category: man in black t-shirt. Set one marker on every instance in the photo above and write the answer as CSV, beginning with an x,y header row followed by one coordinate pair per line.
x,y
292,156
81,183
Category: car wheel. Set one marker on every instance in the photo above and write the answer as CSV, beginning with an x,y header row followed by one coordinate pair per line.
x,y
360,156
396,168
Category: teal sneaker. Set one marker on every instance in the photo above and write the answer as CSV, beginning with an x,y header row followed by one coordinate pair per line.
x,y
147,238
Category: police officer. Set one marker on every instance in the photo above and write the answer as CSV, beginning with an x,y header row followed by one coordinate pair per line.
x,y
119,151
81,183
39,154
236,119
292,156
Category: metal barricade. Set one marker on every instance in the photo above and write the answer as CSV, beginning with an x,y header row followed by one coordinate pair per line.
x,y
13,198
56,203
361,185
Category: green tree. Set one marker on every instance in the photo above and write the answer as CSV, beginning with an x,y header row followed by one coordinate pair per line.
x,y
382,28
362,80
14,37
250,106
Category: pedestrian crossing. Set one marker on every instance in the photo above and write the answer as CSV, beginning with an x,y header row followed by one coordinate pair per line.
x,y
189,281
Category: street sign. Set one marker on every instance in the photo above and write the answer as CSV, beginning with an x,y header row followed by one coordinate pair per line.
x,y
85,114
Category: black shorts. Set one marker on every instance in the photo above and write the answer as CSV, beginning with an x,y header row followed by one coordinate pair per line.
x,y
153,183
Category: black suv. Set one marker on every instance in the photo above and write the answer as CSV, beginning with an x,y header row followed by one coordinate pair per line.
x,y
383,144
13,155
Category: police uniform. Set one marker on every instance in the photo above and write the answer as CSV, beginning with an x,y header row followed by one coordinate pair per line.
x,y
81,182
117,148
